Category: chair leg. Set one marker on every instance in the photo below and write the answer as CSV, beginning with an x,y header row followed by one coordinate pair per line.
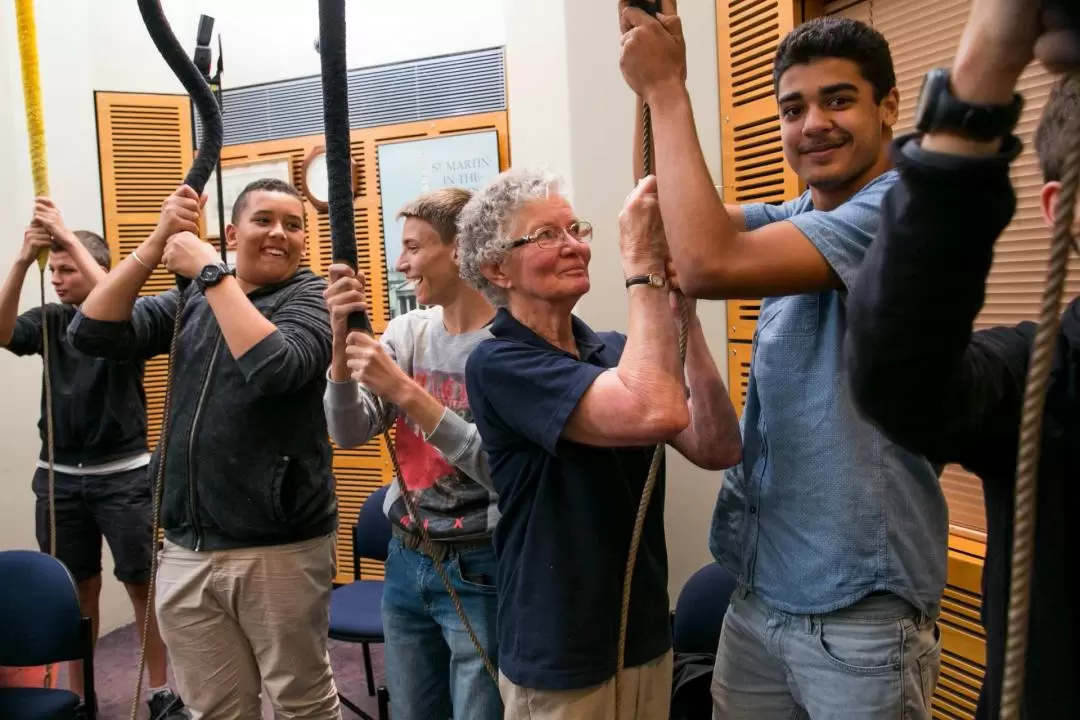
x,y
384,703
90,695
368,671
352,706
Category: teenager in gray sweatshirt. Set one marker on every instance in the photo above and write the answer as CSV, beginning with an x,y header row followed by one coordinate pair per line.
x,y
413,380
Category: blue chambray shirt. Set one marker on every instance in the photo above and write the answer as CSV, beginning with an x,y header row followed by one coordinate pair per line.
x,y
824,509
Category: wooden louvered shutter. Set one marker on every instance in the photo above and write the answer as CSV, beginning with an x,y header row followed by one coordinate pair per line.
x,y
754,170
923,34
145,149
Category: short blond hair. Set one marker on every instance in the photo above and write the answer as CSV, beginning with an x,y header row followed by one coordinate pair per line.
x,y
439,209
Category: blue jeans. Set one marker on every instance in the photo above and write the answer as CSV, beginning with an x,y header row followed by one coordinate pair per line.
x,y
430,660
878,658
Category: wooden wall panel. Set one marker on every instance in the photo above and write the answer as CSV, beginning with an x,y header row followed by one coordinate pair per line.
x,y
360,471
144,150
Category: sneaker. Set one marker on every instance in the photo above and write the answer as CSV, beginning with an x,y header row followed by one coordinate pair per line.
x,y
166,705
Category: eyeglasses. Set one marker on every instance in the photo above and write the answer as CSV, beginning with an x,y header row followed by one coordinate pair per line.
x,y
550,236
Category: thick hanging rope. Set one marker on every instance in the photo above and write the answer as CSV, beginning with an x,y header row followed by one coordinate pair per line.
x,y
343,241
1031,434
205,162
35,130
658,452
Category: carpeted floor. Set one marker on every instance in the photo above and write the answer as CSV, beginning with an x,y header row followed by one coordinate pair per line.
x,y
116,663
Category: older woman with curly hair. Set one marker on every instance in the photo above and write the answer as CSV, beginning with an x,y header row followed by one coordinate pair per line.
x,y
569,418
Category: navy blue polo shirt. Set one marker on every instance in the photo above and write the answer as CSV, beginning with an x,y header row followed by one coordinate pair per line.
x,y
567,513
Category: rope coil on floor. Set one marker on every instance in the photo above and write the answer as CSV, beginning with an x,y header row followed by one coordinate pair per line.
x,y
205,161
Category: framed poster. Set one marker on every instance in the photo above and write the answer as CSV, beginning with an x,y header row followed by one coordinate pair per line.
x,y
410,168
234,179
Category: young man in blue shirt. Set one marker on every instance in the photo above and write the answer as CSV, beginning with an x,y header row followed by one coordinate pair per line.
x,y
838,536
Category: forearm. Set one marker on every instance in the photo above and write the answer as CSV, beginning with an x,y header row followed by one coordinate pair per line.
x,y
649,367
712,440
339,362
914,377
242,325
354,415
698,226
9,300
115,294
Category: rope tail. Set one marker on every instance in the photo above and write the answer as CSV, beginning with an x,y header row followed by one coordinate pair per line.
x,y
35,129
1031,435
205,161
335,86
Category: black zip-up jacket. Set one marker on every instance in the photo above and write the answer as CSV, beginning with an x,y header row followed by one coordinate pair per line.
x,y
248,460
99,406
933,385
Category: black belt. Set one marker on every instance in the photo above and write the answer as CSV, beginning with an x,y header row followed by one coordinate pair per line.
x,y
440,548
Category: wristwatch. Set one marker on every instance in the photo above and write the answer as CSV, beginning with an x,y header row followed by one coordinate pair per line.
x,y
212,274
652,280
938,110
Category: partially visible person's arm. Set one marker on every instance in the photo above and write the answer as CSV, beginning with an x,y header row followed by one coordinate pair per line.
x,y
715,255
114,297
642,400
145,333
35,239
713,440
295,352
355,414
916,368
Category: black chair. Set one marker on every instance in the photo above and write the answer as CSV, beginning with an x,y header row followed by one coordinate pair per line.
x,y
41,624
700,609
355,609
696,624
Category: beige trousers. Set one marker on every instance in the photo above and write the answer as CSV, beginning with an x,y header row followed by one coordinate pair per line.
x,y
644,694
235,621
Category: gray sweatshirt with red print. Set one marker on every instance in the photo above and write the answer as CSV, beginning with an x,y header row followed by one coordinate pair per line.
x,y
445,472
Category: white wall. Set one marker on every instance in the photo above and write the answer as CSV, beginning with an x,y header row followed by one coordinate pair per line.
x,y
103,45
571,111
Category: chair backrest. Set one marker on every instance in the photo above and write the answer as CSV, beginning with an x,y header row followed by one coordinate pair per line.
x,y
371,536
40,619
699,612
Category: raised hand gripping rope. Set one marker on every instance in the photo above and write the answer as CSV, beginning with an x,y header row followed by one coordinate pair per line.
x,y
343,239
205,162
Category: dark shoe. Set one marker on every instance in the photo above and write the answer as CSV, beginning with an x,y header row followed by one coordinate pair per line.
x,y
166,705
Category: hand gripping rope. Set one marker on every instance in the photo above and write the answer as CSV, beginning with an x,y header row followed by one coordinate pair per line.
x,y
343,241
35,129
209,151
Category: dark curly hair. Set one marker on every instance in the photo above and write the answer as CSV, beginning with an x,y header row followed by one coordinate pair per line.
x,y
835,37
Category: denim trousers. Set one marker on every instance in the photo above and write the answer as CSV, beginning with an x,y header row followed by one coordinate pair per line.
x,y
431,664
878,659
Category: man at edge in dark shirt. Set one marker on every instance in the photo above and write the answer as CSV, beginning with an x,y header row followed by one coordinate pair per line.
x,y
932,384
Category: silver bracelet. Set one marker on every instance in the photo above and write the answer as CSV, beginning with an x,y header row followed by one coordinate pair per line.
x,y
139,260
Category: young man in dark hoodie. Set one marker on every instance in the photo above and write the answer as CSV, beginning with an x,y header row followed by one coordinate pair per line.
x,y
935,386
99,438
248,508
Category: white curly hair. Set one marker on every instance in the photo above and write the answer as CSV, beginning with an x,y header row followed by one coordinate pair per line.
x,y
485,221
